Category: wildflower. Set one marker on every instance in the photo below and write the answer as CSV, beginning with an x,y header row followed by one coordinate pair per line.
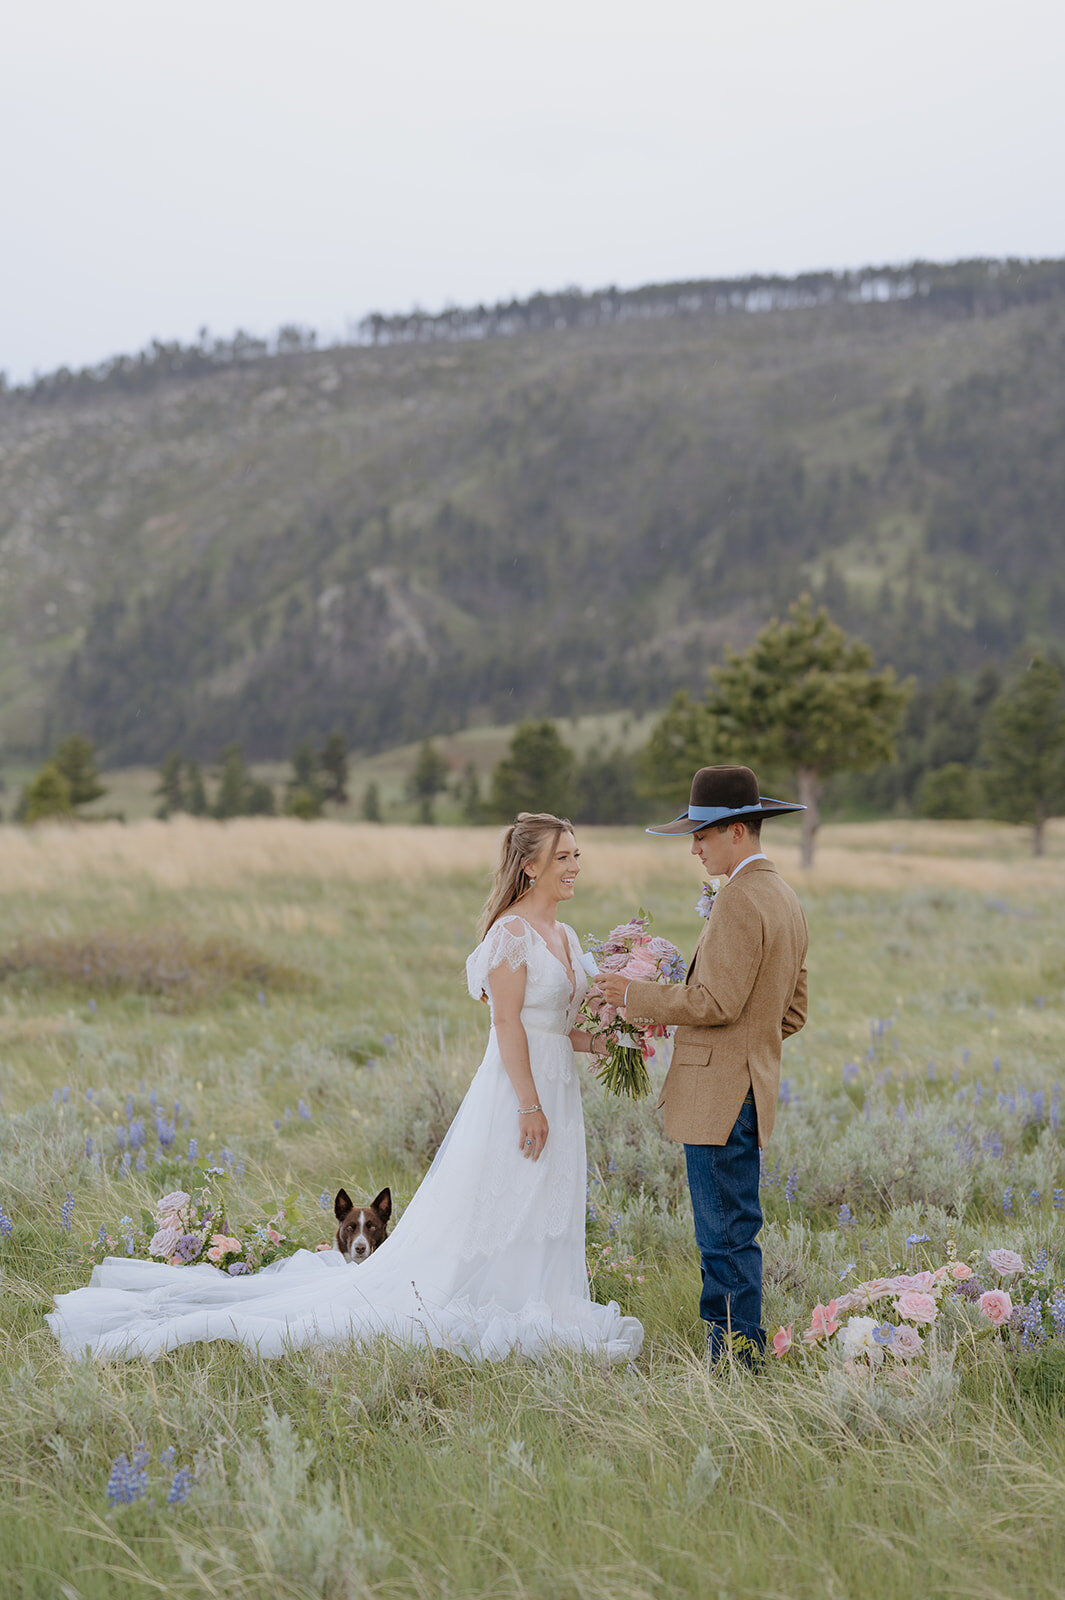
x,y
1033,1333
66,1214
1005,1262
913,1306
906,1343
791,1188
1007,1202
168,1456
325,1201
303,1110
917,1238
996,1306
1057,1311
193,1148
88,1147
128,1480
859,1340
1034,1198
783,1340
848,1269
823,1323
885,1333
180,1489
1041,1262
6,1225
846,1218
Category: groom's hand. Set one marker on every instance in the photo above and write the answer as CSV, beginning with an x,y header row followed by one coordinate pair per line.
x,y
612,986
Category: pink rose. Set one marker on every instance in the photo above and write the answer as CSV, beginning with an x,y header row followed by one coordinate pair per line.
x,y
855,1300
914,1306
660,947
996,1306
1005,1262
961,1270
823,1323
782,1340
878,1288
615,963
170,1203
163,1242
215,1253
922,1281
906,1344
639,968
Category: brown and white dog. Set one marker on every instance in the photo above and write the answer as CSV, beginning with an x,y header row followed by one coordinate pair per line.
x,y
361,1229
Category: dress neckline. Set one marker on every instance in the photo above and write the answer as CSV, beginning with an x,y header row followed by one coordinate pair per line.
x,y
569,969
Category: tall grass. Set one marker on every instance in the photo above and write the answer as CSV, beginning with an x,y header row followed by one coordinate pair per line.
x,y
921,1095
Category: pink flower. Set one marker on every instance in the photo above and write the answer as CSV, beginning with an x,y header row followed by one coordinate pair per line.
x,y
615,963
916,1307
906,1344
996,1306
223,1245
324,1245
961,1270
878,1288
1005,1262
823,1323
273,1236
169,1203
854,1300
782,1340
215,1253
163,1242
661,947
638,967
922,1281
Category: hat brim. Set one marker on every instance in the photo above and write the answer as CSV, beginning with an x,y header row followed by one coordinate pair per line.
x,y
687,824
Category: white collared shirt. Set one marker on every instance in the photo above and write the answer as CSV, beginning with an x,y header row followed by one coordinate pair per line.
x,y
760,855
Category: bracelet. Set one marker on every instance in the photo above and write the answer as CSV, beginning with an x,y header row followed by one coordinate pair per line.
x,y
529,1112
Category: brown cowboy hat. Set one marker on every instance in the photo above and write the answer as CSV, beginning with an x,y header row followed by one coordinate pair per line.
x,y
721,794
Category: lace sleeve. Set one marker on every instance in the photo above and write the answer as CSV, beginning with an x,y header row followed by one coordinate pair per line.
x,y
506,944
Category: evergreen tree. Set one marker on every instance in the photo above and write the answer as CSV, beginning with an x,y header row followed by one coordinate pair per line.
x,y
170,788
427,778
805,699
468,794
536,774
606,788
950,792
195,793
232,785
371,803
47,795
681,742
333,761
259,799
76,760
304,796
1024,748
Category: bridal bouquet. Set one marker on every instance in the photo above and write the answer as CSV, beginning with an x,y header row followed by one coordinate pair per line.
x,y
633,952
188,1229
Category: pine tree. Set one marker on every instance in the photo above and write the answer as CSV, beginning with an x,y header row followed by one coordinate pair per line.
x,y
76,760
681,742
47,795
233,784
333,761
536,774
805,699
1024,748
170,788
468,794
304,796
195,793
371,803
427,778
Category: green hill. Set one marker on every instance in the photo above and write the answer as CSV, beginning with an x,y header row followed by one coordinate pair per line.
x,y
565,510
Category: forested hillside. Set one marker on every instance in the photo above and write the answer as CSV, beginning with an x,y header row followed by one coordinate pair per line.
x,y
483,516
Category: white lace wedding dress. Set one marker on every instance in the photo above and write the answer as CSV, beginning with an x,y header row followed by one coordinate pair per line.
x,y
488,1257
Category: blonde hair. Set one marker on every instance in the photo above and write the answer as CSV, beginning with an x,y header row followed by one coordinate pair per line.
x,y
525,840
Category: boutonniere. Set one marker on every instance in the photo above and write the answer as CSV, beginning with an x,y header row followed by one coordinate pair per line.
x,y
705,903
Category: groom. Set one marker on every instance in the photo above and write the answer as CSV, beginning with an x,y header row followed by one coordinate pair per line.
x,y
744,993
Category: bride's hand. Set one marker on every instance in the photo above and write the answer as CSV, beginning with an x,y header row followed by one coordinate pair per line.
x,y
532,1134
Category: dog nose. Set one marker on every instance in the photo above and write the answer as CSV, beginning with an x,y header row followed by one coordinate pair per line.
x,y
360,1248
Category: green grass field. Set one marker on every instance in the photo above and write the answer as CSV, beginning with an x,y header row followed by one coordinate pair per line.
x,y
325,1038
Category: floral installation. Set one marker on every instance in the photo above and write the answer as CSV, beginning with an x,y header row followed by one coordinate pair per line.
x,y
1022,1303
188,1229
705,903
631,951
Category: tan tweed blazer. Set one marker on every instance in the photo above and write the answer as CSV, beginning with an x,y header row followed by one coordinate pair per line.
x,y
745,991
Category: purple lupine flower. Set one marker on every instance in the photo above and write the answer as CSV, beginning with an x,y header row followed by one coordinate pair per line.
x,y
325,1200
193,1149
1033,1333
1057,1311
128,1480
1007,1202
303,1110
1059,1199
168,1456
6,1225
66,1214
181,1488
846,1218
791,1187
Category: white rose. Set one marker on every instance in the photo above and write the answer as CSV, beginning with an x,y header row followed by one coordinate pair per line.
x,y
858,1340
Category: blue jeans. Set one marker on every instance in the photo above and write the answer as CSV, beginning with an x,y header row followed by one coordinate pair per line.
x,y
723,1180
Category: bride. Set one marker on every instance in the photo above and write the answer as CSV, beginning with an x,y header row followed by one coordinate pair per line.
x,y
489,1255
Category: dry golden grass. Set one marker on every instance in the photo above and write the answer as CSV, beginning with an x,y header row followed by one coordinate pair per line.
x,y
188,854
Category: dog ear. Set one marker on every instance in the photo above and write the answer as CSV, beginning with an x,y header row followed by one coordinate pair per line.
x,y
383,1204
342,1205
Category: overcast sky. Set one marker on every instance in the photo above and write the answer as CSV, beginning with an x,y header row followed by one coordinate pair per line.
x,y
253,162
